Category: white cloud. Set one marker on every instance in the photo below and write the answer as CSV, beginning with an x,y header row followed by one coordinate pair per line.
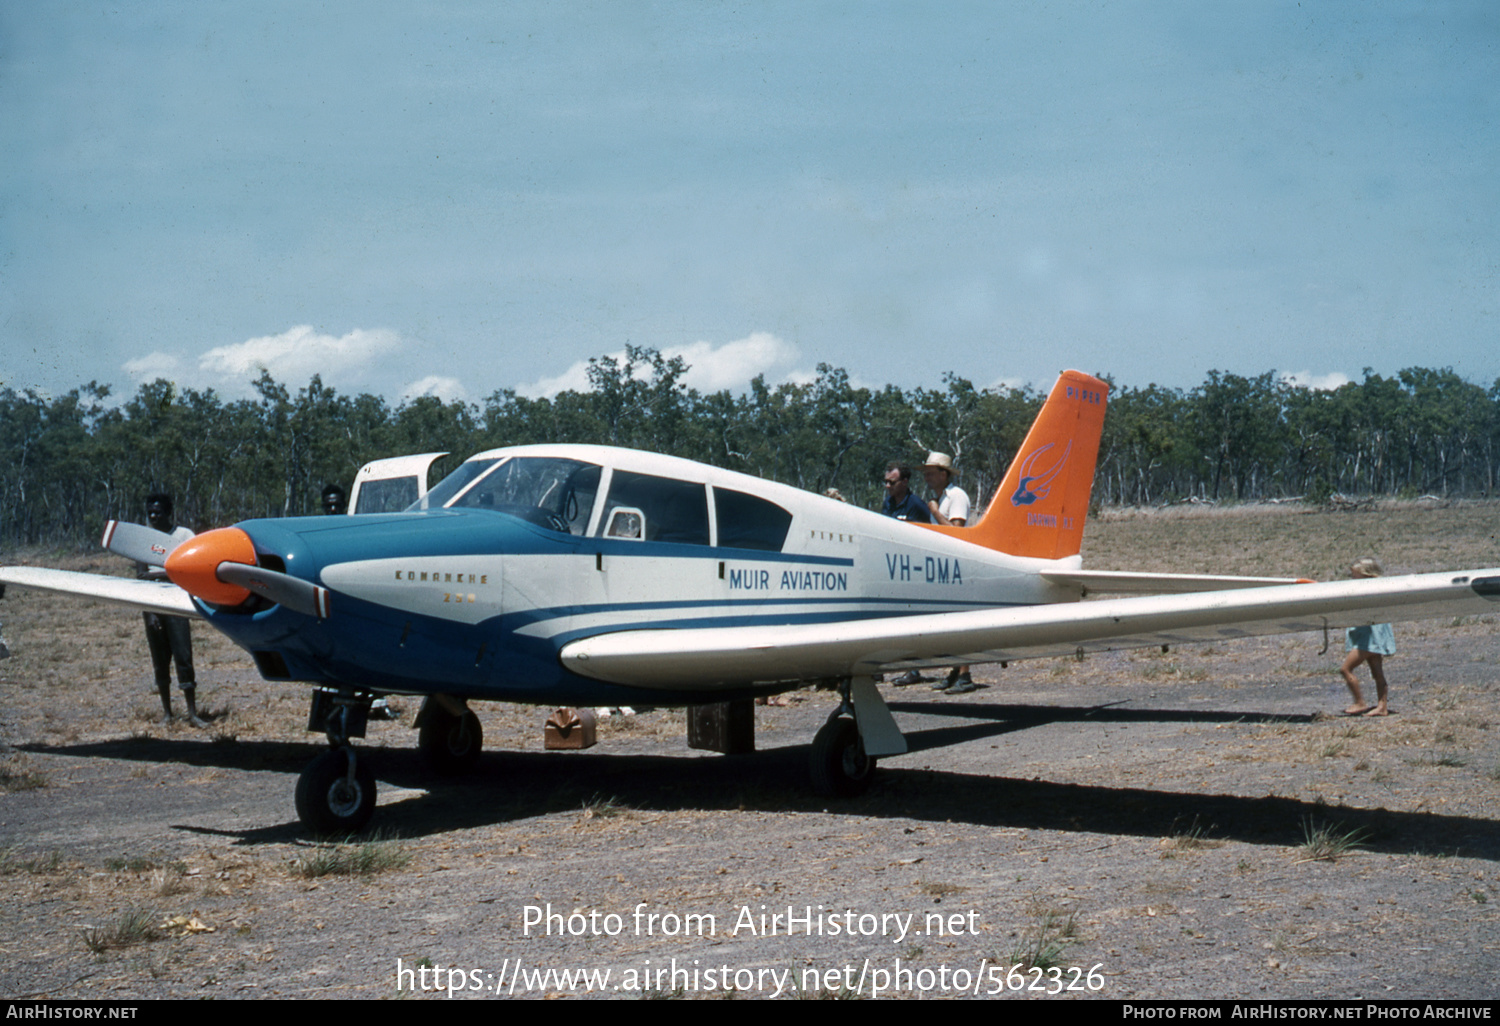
x,y
292,357
733,364
574,379
153,366
1006,385
710,368
297,354
1317,382
449,390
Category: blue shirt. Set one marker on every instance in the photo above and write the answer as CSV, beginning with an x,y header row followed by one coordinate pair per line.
x,y
910,508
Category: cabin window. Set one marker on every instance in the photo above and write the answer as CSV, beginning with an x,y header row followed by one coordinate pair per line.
x,y
750,522
625,522
674,511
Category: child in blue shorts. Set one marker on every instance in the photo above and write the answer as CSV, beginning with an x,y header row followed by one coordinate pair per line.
x,y
1370,645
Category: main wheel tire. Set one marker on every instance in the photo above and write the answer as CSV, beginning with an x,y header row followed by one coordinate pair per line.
x,y
450,744
328,802
840,767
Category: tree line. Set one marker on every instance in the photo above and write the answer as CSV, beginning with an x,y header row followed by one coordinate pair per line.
x,y
69,463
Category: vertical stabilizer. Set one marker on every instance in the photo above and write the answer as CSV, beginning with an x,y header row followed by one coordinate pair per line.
x,y
1041,505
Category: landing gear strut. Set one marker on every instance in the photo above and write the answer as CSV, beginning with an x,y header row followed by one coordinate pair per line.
x,y
449,736
336,793
845,749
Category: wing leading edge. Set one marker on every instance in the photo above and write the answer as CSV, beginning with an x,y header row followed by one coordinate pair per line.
x,y
147,596
699,658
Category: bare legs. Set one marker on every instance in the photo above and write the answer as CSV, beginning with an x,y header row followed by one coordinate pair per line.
x,y
1377,670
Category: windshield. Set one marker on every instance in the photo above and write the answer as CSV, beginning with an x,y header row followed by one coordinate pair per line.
x,y
554,493
444,491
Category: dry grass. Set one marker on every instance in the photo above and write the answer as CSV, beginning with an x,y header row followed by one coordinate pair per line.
x,y
602,806
367,858
1328,842
11,862
127,930
1194,837
1043,943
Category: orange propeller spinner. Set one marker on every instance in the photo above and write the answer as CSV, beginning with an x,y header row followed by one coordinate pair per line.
x,y
194,565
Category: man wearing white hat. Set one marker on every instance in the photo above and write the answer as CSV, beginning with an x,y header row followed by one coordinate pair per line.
x,y
951,507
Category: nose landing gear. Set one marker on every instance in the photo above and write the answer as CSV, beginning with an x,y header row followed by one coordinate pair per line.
x,y
336,793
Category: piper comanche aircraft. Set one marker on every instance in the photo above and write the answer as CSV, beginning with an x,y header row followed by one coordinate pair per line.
x,y
591,576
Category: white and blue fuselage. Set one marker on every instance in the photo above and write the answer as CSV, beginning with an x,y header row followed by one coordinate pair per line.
x,y
520,551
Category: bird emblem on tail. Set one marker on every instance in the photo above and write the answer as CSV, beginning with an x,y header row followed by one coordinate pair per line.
x,y
1036,486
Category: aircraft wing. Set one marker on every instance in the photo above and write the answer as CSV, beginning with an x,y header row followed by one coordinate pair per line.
x,y
1124,581
147,596
708,658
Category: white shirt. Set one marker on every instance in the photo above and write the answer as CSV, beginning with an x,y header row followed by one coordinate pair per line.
x,y
954,504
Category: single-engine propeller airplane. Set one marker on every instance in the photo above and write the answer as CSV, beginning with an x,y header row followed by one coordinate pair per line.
x,y
586,575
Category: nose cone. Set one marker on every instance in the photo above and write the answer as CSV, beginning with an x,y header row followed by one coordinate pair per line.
x,y
193,565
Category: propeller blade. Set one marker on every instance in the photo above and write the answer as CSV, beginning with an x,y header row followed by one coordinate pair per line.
x,y
138,542
292,592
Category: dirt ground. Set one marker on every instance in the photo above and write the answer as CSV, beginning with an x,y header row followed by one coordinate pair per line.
x,y
1141,821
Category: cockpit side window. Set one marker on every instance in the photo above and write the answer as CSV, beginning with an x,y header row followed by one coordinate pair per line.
x,y
674,511
750,522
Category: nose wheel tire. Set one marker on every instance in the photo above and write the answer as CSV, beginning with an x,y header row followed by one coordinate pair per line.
x,y
840,767
450,744
328,801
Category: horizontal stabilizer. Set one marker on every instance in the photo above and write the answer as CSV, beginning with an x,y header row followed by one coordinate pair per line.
x,y
147,596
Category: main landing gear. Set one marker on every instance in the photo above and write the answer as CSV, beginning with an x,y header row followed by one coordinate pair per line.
x,y
840,767
449,736
844,750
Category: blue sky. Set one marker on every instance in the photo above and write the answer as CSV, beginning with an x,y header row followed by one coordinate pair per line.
x,y
456,198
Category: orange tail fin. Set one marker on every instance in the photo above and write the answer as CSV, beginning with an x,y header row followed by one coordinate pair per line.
x,y
1040,507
